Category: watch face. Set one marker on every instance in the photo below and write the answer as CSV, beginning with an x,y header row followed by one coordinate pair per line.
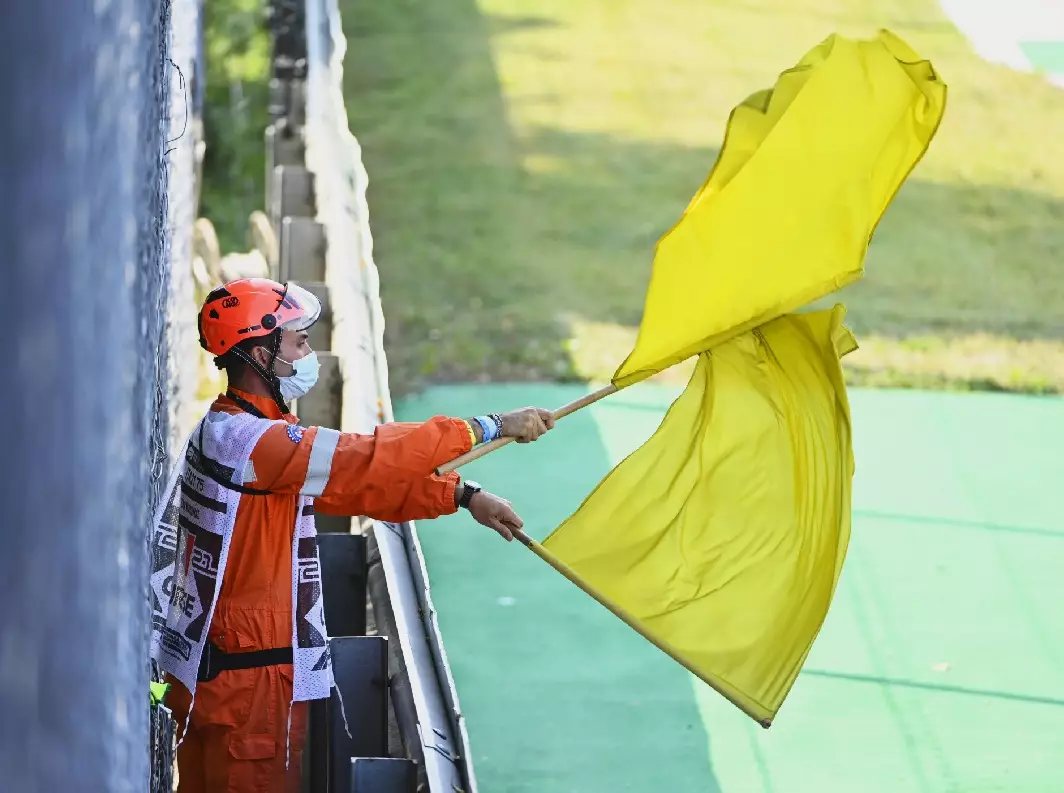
x,y
471,489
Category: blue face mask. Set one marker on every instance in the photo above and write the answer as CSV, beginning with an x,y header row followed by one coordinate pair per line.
x,y
306,375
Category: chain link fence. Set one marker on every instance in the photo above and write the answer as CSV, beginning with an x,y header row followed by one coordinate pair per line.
x,y
98,195
177,371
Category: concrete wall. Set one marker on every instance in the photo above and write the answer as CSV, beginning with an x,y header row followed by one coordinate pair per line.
x,y
85,231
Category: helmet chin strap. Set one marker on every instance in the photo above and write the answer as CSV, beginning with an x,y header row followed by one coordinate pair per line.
x,y
268,375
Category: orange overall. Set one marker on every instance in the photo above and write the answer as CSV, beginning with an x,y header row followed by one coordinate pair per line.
x,y
235,742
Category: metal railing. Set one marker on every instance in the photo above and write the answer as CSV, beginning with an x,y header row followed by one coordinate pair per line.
x,y
430,723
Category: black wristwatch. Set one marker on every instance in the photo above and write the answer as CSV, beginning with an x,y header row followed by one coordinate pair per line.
x,y
470,489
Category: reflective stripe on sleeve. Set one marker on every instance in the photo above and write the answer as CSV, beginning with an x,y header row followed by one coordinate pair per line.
x,y
320,465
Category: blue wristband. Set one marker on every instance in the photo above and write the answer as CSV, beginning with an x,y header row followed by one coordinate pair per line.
x,y
488,428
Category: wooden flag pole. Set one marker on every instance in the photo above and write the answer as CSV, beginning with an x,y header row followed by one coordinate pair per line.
x,y
632,623
498,443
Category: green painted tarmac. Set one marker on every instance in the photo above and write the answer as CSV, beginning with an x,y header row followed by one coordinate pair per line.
x,y
940,668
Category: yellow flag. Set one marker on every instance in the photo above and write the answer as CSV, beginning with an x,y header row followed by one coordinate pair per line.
x,y
721,539
805,173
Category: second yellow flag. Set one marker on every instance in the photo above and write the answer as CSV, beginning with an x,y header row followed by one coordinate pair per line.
x,y
721,539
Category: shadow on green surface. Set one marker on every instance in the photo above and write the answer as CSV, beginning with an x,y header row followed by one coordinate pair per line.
x,y
560,695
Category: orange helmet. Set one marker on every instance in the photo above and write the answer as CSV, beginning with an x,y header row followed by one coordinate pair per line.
x,y
251,307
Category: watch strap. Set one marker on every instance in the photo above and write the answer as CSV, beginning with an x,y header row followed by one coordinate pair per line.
x,y
469,489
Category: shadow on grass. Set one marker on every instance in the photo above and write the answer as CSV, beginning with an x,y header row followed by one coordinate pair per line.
x,y
491,243
488,244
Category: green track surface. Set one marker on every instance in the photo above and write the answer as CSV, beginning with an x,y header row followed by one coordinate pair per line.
x,y
1046,56
940,668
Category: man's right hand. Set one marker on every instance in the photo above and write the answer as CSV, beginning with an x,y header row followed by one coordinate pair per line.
x,y
527,424
496,513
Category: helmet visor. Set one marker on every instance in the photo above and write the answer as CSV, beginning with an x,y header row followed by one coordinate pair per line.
x,y
308,308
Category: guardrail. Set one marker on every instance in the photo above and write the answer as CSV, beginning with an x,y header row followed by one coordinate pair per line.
x,y
315,231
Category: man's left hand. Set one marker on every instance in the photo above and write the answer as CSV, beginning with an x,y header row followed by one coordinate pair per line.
x,y
495,513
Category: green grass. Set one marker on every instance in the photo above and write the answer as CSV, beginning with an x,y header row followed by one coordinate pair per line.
x,y
525,156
